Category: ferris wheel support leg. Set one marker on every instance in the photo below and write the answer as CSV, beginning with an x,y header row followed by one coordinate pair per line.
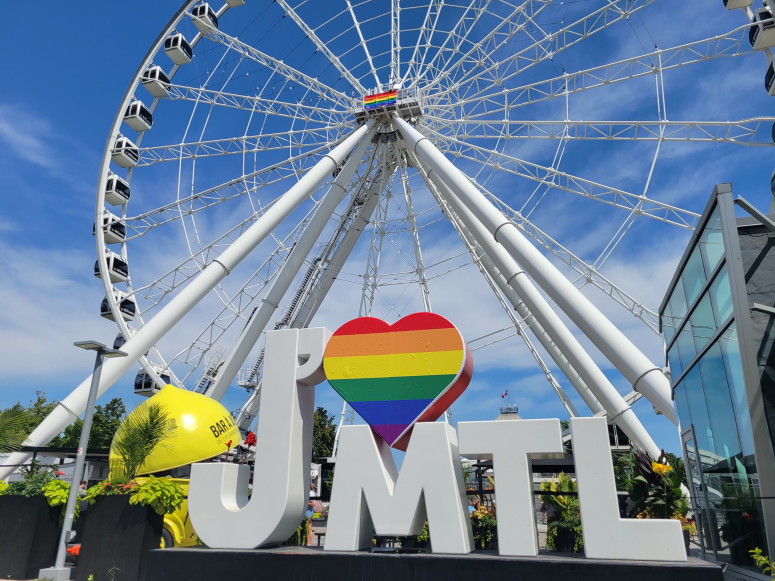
x,y
645,377
75,403
287,273
557,335
506,264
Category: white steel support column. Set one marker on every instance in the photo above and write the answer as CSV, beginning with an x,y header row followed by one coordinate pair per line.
x,y
564,341
645,377
288,271
74,404
507,264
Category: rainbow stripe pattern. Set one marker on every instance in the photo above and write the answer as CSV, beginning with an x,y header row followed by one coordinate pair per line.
x,y
400,374
380,100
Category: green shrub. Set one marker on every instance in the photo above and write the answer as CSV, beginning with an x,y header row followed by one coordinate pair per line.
x,y
162,494
56,493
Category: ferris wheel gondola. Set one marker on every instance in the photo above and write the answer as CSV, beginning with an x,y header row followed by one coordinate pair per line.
x,y
762,34
126,304
156,82
138,116
113,229
117,267
117,191
736,4
125,153
178,49
204,17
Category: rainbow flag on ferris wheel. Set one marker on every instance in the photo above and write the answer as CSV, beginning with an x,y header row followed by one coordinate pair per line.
x,y
380,99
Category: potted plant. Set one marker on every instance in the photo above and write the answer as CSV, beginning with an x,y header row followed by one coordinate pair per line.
x,y
483,523
655,492
29,519
563,528
127,513
29,523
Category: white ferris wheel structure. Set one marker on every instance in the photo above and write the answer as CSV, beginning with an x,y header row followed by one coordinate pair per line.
x,y
248,178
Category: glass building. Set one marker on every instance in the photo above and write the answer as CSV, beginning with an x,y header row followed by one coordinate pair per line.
x,y
718,323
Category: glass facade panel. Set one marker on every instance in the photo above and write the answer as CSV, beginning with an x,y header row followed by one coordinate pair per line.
x,y
698,410
693,276
720,295
703,323
719,403
712,242
734,369
678,304
674,361
682,408
685,342
667,325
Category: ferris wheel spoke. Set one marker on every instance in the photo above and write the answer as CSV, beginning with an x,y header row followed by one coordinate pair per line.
x,y
323,48
730,45
156,291
483,49
589,273
233,309
410,218
570,183
279,108
505,69
752,132
294,139
365,48
293,167
423,39
326,93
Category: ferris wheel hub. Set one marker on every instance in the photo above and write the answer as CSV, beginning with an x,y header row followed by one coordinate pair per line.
x,y
407,103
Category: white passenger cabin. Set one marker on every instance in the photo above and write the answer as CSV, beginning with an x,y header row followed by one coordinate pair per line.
x,y
116,190
126,306
156,82
204,18
735,4
118,269
761,34
138,116
112,226
146,386
125,153
178,49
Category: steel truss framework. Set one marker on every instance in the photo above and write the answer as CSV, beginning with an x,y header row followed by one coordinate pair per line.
x,y
267,110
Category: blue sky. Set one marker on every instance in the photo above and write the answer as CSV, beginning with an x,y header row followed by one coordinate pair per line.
x,y
70,68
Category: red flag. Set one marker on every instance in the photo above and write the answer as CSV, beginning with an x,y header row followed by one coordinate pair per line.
x,y
505,394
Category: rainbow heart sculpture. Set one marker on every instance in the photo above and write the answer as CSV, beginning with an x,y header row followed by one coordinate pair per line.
x,y
400,374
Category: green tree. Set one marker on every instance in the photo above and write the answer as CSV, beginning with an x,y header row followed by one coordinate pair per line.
x,y
567,446
323,434
105,423
36,412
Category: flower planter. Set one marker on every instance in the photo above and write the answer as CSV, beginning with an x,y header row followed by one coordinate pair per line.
x,y
117,538
686,541
29,533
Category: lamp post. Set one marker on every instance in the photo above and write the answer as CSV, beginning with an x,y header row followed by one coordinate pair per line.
x,y
59,572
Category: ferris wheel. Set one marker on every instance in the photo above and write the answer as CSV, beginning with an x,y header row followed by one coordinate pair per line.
x,y
274,159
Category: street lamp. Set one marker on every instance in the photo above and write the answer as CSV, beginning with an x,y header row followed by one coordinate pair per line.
x,y
59,572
